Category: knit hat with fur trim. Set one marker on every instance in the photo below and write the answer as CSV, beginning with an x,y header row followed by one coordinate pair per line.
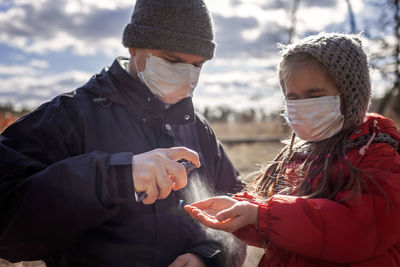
x,y
174,25
347,63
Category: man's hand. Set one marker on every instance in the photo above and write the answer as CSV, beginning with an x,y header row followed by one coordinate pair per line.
x,y
224,213
157,172
188,260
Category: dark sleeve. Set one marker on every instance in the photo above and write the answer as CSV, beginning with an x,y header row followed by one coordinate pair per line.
x,y
220,249
48,192
211,252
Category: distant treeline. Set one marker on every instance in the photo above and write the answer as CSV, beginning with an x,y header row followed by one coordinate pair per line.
x,y
227,113
212,114
10,109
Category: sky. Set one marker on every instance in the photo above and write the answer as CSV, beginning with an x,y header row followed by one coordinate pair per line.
x,y
48,47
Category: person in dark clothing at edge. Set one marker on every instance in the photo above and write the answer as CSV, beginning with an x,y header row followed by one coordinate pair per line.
x,y
70,169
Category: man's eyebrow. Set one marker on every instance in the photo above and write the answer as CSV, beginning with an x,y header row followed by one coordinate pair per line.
x,y
173,56
180,59
199,62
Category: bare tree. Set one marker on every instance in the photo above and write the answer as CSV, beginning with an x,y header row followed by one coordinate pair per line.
x,y
293,20
352,20
291,7
397,54
395,90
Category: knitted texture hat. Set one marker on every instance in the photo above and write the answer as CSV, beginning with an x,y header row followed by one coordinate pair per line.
x,y
174,25
347,63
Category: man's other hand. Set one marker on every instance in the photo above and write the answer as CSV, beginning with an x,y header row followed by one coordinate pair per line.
x,y
188,260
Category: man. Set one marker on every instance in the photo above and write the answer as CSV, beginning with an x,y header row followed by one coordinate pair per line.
x,y
71,169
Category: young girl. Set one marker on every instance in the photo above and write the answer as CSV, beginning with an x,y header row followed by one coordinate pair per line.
x,y
332,195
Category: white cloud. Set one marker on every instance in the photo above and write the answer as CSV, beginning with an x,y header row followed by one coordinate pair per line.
x,y
42,64
16,70
264,62
87,6
34,67
36,4
84,27
28,90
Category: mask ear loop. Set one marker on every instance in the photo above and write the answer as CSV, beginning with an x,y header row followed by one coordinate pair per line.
x,y
341,103
149,54
136,65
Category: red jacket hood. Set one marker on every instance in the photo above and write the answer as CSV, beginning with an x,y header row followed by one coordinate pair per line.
x,y
385,125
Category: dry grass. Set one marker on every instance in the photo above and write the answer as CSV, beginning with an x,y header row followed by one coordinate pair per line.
x,y
4,263
271,128
249,158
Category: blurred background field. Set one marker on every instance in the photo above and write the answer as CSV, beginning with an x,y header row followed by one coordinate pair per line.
x,y
251,144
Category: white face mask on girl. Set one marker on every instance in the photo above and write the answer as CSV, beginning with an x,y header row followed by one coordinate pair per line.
x,y
314,119
172,82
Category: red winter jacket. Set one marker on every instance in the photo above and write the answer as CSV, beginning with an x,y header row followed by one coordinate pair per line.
x,y
362,231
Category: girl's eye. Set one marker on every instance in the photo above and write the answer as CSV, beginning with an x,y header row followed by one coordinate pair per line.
x,y
172,61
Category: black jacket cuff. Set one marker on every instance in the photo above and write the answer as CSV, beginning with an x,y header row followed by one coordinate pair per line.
x,y
210,252
121,182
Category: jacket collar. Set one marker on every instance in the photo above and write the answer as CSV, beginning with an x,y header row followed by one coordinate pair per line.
x,y
385,125
116,85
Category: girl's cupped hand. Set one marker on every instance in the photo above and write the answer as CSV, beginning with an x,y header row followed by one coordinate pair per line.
x,y
223,213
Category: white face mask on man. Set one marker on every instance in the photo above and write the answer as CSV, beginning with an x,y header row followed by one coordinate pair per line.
x,y
171,82
315,119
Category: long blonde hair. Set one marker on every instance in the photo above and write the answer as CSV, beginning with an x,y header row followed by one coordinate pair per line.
x,y
317,163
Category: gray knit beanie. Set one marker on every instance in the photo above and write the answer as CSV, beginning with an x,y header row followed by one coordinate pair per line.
x,y
183,26
346,62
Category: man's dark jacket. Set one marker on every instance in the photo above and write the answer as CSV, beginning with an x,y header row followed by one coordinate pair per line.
x,y
66,188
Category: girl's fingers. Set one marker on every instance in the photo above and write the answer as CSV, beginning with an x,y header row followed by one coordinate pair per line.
x,y
197,213
206,220
221,202
193,212
233,211
188,208
203,203
217,225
